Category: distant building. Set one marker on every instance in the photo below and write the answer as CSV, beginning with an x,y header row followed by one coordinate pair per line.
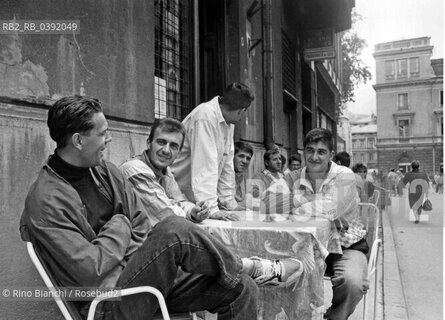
x,y
344,134
409,90
364,136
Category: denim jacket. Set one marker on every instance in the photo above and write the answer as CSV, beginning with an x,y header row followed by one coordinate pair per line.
x,y
54,220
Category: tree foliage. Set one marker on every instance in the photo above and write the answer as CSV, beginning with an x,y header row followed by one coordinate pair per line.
x,y
355,71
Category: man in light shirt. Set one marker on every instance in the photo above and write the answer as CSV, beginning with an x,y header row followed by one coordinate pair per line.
x,y
151,177
204,168
328,190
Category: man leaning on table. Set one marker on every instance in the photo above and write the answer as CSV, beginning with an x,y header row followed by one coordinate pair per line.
x,y
92,232
151,177
328,190
204,168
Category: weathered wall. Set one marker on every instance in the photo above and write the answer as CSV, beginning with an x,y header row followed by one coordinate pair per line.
x,y
25,145
112,58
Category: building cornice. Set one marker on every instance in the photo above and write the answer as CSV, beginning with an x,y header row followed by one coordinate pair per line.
x,y
400,51
411,142
410,83
411,145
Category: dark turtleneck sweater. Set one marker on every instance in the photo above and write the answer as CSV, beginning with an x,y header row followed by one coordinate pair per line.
x,y
98,208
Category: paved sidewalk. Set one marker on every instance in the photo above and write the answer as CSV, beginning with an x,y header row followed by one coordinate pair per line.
x,y
419,249
394,302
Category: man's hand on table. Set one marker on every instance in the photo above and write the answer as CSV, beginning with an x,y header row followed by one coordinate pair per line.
x,y
225,215
200,211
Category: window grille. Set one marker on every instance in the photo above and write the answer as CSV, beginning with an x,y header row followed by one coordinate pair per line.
x,y
173,61
289,78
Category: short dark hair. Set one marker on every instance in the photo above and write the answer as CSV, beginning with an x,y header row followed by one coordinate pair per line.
x,y
237,96
270,153
317,135
415,164
295,157
243,146
168,125
69,115
343,157
356,167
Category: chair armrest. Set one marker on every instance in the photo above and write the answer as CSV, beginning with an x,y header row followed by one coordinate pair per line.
x,y
127,292
373,257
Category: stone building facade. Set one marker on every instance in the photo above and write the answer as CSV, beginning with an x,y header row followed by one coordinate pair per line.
x,y
409,90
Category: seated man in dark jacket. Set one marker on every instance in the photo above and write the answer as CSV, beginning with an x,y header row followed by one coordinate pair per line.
x,y
92,231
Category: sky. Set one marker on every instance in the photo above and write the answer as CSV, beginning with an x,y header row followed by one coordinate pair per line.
x,y
390,20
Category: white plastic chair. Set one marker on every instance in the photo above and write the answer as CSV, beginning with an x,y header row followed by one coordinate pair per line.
x,y
372,217
376,197
69,312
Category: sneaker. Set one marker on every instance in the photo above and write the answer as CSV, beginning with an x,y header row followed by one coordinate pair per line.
x,y
272,272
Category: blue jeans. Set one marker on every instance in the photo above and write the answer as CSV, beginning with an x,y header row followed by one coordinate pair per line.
x,y
349,283
212,280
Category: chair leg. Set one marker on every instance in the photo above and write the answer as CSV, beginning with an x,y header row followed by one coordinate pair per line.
x,y
364,307
375,294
